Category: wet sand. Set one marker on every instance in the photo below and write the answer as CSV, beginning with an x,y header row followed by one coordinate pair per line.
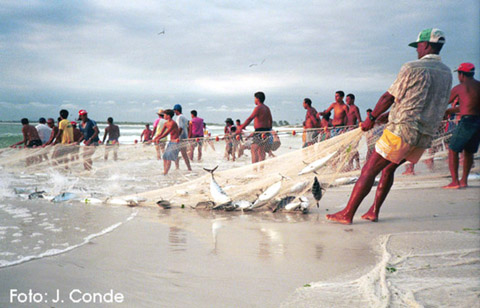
x,y
185,257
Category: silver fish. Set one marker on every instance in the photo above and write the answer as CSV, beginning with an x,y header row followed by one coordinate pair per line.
x,y
217,193
64,197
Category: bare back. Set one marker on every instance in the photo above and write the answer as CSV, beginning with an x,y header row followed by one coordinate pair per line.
x,y
30,133
263,117
468,93
353,115
113,132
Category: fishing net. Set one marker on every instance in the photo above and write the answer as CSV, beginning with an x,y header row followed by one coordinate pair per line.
x,y
333,155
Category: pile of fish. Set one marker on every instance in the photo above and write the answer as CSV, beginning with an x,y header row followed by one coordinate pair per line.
x,y
290,203
68,196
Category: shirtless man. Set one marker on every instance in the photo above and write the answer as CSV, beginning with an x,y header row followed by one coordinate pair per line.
x,y
30,139
340,110
147,134
173,147
353,114
466,136
51,124
113,133
311,123
262,122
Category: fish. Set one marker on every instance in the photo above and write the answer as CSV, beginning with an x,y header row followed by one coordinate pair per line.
x,y
117,201
317,164
164,204
268,194
135,200
218,194
242,204
473,176
36,195
317,190
63,197
292,206
345,181
282,203
298,187
304,205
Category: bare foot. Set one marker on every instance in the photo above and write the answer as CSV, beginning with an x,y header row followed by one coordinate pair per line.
x,y
370,215
408,172
339,217
463,184
453,185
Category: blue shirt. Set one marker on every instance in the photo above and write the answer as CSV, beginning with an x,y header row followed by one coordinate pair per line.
x,y
88,130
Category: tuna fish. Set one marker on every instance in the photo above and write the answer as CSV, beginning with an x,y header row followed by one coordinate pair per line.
x,y
217,193
317,164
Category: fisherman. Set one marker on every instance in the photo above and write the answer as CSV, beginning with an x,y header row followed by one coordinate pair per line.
x,y
239,137
182,123
207,135
43,130
311,123
147,134
64,139
262,122
466,135
157,128
196,132
89,129
171,152
30,139
353,114
340,111
113,133
54,132
77,139
229,132
418,97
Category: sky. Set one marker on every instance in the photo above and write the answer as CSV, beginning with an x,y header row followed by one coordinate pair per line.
x,y
127,59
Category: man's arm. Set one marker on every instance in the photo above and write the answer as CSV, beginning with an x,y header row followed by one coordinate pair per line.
x,y
383,104
25,137
165,131
95,134
105,135
357,114
249,119
453,97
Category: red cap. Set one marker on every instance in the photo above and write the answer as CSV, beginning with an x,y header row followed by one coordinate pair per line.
x,y
82,112
73,122
466,68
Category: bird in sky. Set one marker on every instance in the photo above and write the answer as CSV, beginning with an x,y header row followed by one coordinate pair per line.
x,y
163,32
255,64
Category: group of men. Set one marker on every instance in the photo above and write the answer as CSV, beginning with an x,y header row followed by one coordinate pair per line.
x,y
66,137
345,114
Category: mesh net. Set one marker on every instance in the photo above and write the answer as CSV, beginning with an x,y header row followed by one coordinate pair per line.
x,y
333,155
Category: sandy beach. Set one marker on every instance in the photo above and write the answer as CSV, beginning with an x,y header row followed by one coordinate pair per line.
x,y
186,257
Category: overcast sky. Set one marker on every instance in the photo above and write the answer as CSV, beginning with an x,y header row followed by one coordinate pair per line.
x,y
109,58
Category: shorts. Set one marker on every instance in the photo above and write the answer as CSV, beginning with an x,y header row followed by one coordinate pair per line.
x,y
311,136
394,149
467,135
171,152
34,143
112,143
336,131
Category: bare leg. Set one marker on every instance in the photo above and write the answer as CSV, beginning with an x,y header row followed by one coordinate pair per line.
x,y
199,151
115,152
409,169
166,166
383,188
453,166
185,158
467,166
254,150
372,168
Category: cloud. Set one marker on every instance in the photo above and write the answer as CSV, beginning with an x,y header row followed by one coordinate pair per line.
x,y
108,53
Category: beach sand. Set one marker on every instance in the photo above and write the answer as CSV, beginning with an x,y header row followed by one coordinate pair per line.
x,y
186,257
